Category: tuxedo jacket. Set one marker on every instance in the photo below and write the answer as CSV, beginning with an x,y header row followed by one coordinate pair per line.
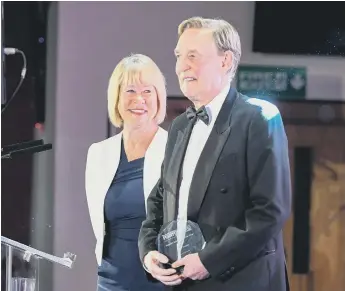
x,y
240,196
102,162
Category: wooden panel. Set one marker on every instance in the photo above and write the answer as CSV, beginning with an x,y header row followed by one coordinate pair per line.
x,y
327,255
328,227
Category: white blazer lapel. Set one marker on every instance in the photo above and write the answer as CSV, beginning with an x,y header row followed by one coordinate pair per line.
x,y
110,156
153,161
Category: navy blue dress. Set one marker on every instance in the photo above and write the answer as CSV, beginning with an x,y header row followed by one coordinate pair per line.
x,y
124,211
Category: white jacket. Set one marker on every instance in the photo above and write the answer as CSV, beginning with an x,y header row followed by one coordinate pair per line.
x,y
102,162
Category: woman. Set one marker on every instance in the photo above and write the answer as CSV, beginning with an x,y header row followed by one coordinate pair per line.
x,y
122,170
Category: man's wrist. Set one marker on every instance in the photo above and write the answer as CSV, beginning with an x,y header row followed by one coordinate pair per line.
x,y
144,265
146,269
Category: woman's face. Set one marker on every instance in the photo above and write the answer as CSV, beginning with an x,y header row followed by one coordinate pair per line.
x,y
138,104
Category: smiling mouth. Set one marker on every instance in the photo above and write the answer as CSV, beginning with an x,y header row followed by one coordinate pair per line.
x,y
189,79
138,111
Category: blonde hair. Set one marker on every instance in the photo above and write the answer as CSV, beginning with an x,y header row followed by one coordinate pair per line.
x,y
134,69
225,37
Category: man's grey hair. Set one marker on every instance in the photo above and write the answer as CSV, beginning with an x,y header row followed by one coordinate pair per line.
x,y
225,36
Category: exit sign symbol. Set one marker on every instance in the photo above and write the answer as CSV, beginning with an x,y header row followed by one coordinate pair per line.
x,y
276,82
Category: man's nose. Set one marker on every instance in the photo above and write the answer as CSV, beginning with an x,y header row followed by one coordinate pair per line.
x,y
182,66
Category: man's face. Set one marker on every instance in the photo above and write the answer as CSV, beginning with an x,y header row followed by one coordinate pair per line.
x,y
200,68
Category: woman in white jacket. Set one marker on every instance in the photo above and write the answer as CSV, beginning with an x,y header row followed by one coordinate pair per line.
x,y
122,170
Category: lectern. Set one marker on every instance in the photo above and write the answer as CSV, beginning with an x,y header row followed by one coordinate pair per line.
x,y
23,265
22,261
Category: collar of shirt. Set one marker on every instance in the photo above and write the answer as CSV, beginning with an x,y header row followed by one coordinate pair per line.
x,y
216,104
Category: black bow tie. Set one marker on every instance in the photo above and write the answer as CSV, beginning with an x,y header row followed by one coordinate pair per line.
x,y
201,113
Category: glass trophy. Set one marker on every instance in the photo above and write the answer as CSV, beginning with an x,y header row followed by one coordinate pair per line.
x,y
22,265
179,238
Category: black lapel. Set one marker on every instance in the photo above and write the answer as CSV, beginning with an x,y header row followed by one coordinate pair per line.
x,y
209,156
173,171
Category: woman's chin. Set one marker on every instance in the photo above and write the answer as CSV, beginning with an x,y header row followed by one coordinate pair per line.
x,y
137,121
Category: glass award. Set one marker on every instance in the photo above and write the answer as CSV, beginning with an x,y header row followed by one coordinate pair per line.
x,y
179,238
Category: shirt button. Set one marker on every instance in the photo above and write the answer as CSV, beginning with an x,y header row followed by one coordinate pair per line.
x,y
223,190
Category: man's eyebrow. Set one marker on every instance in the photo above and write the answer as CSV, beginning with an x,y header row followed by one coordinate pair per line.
x,y
193,51
176,51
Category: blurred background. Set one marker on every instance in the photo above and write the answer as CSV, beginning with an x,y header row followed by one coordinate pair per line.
x,y
293,54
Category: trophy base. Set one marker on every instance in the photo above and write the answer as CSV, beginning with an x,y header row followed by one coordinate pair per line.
x,y
179,270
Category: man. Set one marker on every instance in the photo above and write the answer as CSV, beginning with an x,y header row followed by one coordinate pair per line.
x,y
231,176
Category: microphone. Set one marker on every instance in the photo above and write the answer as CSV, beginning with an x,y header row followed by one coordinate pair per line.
x,y
10,51
31,150
20,146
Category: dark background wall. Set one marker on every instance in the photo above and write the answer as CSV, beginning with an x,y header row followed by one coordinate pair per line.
x,y
24,28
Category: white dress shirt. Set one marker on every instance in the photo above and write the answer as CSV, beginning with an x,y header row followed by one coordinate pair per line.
x,y
197,141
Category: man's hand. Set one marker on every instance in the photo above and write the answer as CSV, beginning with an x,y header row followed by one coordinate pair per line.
x,y
193,267
166,276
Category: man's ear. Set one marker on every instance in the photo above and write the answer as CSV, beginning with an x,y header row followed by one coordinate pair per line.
x,y
227,60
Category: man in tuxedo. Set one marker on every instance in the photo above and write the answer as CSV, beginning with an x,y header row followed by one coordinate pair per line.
x,y
226,168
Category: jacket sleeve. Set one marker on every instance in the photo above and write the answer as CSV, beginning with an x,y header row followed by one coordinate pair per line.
x,y
268,178
89,185
154,220
154,213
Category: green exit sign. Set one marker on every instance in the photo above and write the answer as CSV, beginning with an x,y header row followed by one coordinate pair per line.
x,y
272,82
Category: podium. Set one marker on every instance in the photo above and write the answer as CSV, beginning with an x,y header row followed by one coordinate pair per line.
x,y
23,264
